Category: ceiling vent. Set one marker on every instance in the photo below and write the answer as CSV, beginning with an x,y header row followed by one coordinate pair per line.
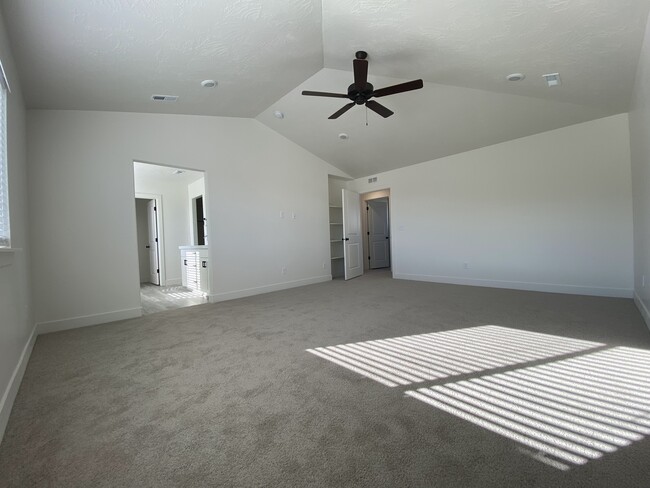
x,y
164,98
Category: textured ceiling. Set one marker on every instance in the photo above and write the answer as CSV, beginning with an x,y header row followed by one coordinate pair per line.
x,y
593,44
114,54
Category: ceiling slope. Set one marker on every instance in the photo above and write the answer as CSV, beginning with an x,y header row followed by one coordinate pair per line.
x,y
114,54
430,123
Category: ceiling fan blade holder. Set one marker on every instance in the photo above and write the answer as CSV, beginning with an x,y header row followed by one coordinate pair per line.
x,y
379,108
402,87
340,112
360,67
324,94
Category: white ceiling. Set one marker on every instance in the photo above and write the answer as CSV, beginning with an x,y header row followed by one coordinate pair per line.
x,y
149,172
114,54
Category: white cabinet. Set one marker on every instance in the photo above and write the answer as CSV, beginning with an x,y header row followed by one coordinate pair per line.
x,y
194,268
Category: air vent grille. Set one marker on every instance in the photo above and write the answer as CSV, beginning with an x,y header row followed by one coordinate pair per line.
x,y
164,98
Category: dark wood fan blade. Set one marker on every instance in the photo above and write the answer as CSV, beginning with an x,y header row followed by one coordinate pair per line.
x,y
324,94
402,87
379,108
345,108
360,73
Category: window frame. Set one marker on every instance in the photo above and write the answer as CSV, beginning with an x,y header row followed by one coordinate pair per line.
x,y
5,226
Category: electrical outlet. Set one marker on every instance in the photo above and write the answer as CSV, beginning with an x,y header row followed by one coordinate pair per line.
x,y
642,281
323,264
281,214
465,265
284,270
293,215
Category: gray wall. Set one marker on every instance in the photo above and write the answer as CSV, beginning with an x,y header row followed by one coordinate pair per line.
x,y
640,152
16,320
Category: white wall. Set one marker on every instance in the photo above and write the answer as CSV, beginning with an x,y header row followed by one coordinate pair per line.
x,y
81,180
16,320
640,149
549,212
142,223
176,230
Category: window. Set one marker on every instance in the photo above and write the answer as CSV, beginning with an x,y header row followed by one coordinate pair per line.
x,y
4,183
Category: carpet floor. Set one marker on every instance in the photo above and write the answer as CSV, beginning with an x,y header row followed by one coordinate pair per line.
x,y
368,383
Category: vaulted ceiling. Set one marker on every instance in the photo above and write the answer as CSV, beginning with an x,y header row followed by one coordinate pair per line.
x,y
114,54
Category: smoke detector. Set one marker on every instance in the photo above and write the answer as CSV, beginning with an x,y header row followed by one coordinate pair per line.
x,y
552,79
208,83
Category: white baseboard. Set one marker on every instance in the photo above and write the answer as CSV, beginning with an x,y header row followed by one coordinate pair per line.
x,y
521,285
173,282
87,320
231,295
645,313
9,395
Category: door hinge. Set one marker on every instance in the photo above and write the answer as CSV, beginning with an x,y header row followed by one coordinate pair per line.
x,y
156,239
368,258
158,271
368,232
155,209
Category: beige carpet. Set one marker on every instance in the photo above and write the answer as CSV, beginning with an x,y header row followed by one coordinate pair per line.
x,y
373,382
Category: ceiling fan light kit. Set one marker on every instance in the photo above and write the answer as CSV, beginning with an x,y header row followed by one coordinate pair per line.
x,y
361,91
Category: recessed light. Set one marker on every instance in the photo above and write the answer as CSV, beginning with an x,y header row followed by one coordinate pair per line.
x,y
208,83
515,77
178,172
278,115
343,136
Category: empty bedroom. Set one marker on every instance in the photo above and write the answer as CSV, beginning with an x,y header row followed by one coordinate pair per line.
x,y
325,243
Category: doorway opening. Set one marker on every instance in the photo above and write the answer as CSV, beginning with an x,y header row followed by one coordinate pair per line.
x,y
172,236
375,223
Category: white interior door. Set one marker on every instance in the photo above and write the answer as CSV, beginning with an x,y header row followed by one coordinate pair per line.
x,y
352,245
378,234
154,258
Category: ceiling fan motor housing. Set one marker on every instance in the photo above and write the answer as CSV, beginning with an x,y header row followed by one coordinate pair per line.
x,y
360,96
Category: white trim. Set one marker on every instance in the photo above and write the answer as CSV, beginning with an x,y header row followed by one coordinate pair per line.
x,y
9,396
231,295
87,320
645,313
521,285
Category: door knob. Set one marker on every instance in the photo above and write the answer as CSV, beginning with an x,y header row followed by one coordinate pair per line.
x,y
346,239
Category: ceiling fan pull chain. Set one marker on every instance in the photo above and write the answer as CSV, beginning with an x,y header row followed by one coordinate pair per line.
x,y
366,115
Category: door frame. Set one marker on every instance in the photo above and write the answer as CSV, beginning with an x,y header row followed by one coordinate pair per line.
x,y
374,195
161,239
369,210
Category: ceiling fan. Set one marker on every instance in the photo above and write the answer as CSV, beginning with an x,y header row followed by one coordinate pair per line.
x,y
360,92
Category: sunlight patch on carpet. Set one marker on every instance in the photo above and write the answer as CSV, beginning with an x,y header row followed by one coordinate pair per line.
x,y
411,359
569,411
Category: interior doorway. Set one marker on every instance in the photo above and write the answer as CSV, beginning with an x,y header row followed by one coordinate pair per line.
x,y
378,233
376,226
172,236
149,240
